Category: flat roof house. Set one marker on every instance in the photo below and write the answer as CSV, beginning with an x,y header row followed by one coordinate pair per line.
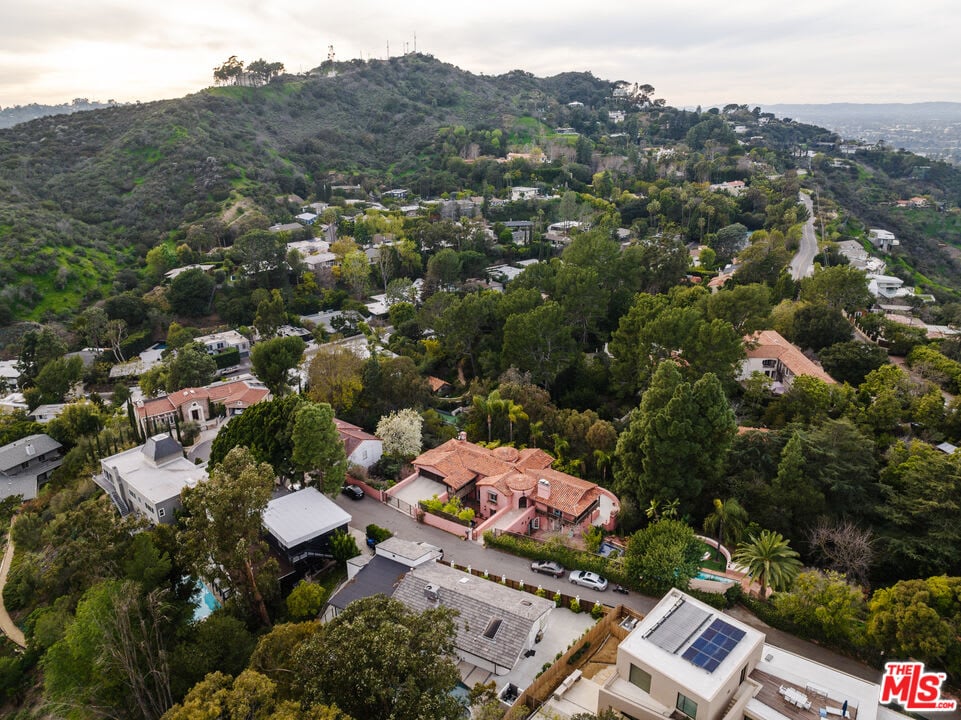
x,y
26,464
218,342
299,526
148,479
687,660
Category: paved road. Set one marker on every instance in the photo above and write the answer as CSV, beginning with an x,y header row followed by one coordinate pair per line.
x,y
7,625
803,263
496,562
464,552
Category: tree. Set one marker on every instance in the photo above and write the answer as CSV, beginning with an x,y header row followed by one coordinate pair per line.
x,y
844,548
401,433
406,674
746,307
355,272
262,256
443,269
539,342
57,379
663,555
191,292
851,361
37,348
769,560
306,600
221,536
727,241
817,326
726,522
343,546
272,360
78,420
249,696
823,605
335,376
842,287
113,657
271,314
318,449
192,366
918,619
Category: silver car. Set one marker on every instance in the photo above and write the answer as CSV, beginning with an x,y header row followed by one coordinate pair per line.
x,y
548,567
588,580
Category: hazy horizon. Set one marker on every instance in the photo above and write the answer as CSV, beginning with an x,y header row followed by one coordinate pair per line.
x,y
743,51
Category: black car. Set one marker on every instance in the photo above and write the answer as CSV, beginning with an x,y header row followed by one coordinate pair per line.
x,y
353,492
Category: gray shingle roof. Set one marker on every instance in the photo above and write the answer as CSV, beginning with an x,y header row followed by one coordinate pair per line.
x,y
24,450
379,576
480,603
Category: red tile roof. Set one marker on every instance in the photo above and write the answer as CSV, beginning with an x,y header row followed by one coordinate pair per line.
x,y
351,435
230,394
510,471
770,344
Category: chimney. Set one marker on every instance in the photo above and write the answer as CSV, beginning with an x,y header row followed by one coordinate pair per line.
x,y
432,593
462,436
543,489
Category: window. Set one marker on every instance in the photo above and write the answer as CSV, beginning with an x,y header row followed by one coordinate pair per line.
x,y
769,363
686,705
161,512
535,523
556,512
743,673
641,678
492,627
492,498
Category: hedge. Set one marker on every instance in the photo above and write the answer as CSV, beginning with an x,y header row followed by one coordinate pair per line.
x,y
566,556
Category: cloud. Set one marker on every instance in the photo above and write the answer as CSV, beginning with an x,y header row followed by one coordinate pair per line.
x,y
692,51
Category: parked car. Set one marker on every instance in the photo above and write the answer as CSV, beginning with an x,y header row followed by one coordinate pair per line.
x,y
353,492
588,580
548,567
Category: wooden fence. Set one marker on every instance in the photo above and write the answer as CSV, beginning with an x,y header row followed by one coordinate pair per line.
x,y
544,685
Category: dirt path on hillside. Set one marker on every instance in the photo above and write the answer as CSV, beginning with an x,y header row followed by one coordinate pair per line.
x,y
7,625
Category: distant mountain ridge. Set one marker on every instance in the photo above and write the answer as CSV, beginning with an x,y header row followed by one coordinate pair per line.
x,y
17,114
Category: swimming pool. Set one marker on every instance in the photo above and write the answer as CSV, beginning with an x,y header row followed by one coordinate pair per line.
x,y
204,601
701,575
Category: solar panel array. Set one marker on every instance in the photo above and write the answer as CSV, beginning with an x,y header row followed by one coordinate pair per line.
x,y
677,626
713,645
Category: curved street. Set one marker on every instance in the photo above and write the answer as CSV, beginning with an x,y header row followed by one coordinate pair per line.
x,y
803,263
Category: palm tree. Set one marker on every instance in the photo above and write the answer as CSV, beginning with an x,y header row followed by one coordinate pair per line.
x,y
489,406
515,413
602,461
769,560
536,430
726,522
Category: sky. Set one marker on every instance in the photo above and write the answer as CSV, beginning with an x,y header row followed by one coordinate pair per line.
x,y
694,52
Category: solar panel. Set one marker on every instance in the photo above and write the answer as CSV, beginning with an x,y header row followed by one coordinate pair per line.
x,y
713,645
677,626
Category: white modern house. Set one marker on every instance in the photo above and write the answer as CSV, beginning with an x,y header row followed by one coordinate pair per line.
x,y
148,479
884,240
218,342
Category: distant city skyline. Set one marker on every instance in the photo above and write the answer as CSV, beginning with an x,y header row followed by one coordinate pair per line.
x,y
693,52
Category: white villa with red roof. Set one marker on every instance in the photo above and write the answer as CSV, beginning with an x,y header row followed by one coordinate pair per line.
x,y
196,404
510,489
361,447
769,353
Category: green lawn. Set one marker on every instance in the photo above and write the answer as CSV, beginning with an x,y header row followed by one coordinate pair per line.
x,y
712,563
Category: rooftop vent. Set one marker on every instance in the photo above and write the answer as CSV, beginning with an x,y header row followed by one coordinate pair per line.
x,y
432,592
30,450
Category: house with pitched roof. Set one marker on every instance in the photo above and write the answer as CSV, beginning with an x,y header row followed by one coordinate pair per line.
x,y
495,624
26,464
361,447
197,404
507,485
769,353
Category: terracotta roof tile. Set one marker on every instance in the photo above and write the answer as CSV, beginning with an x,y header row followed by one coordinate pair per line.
x,y
770,344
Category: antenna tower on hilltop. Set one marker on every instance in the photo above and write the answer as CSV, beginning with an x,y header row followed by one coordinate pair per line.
x,y
330,53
